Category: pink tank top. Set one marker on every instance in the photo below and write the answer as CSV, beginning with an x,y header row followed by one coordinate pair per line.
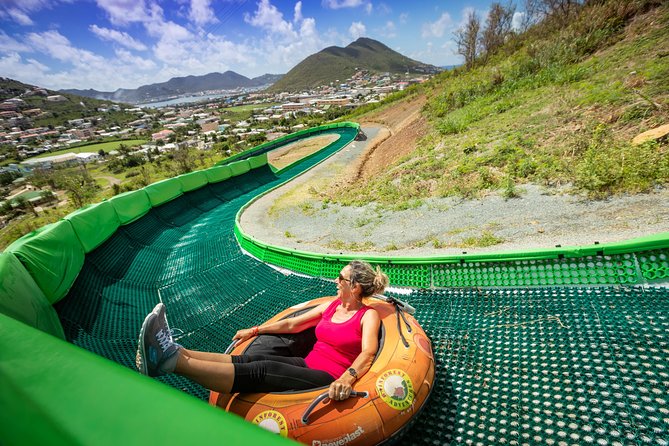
x,y
337,344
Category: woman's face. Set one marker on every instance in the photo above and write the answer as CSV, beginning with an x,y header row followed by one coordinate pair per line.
x,y
344,282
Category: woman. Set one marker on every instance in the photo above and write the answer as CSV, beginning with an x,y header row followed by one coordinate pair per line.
x,y
346,343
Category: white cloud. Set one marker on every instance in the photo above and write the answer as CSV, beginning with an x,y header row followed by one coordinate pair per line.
x,y
157,26
269,18
19,17
141,63
298,12
517,20
404,17
357,29
9,44
201,12
19,10
389,30
465,16
441,55
119,37
436,29
338,4
123,12
369,8
56,45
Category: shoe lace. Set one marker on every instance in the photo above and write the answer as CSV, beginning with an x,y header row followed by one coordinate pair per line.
x,y
164,338
175,332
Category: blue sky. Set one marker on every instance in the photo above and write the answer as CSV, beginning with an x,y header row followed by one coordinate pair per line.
x,y
110,44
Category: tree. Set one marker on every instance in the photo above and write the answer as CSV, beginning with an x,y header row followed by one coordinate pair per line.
x,y
184,160
467,39
25,204
497,29
6,178
80,188
537,10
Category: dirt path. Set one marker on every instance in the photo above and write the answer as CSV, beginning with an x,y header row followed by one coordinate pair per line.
x,y
287,155
296,216
112,180
401,128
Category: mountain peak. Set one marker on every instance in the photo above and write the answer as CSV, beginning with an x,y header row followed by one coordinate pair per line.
x,y
337,63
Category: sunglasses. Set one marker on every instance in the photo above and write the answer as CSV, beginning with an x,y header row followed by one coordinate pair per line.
x,y
343,278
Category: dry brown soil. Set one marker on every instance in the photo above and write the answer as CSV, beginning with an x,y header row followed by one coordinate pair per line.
x,y
287,155
404,126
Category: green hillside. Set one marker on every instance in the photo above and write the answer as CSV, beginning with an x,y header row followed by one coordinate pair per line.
x,y
338,64
58,113
558,107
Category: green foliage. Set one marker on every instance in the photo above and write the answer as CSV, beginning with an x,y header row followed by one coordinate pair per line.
x,y
609,166
486,239
524,116
334,65
6,178
352,246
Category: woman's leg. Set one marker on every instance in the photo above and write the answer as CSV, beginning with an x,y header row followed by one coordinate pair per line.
x,y
275,374
214,375
207,356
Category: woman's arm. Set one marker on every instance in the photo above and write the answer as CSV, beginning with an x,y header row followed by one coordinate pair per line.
x,y
289,325
341,388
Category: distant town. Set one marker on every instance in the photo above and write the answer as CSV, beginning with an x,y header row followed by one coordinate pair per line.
x,y
226,125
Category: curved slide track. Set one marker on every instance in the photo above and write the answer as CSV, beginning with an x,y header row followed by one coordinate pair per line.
x,y
566,345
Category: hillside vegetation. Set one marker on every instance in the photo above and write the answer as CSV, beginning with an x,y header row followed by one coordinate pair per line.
x,y
338,64
58,113
556,106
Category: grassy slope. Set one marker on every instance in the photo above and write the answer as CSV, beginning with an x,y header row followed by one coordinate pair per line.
x,y
546,113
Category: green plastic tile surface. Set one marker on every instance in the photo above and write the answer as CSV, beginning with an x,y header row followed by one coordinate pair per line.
x,y
548,351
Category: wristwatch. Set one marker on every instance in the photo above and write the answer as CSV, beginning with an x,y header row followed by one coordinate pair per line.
x,y
353,373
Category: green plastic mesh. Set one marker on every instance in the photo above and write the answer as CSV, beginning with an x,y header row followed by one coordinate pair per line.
x,y
585,361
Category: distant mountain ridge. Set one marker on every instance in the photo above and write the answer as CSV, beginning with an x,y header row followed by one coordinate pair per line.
x,y
179,86
337,64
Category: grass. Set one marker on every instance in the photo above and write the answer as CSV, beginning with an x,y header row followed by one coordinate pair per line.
x,y
340,245
556,110
95,148
486,239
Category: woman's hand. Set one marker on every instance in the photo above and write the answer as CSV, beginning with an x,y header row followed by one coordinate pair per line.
x,y
244,334
339,390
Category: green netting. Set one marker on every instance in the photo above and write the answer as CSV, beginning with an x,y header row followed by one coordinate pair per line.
x,y
584,361
53,256
546,348
94,224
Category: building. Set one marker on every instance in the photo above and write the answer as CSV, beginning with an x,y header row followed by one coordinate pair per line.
x,y
56,98
163,134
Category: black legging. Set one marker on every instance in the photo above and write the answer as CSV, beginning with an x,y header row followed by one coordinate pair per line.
x,y
265,373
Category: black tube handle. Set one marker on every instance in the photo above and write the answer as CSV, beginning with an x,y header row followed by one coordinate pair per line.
x,y
321,397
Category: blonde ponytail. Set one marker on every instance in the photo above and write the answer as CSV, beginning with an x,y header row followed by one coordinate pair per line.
x,y
372,281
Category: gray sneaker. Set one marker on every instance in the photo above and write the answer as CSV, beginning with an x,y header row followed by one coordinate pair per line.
x,y
156,352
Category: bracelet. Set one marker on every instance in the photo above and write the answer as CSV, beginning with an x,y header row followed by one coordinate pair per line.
x,y
255,331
